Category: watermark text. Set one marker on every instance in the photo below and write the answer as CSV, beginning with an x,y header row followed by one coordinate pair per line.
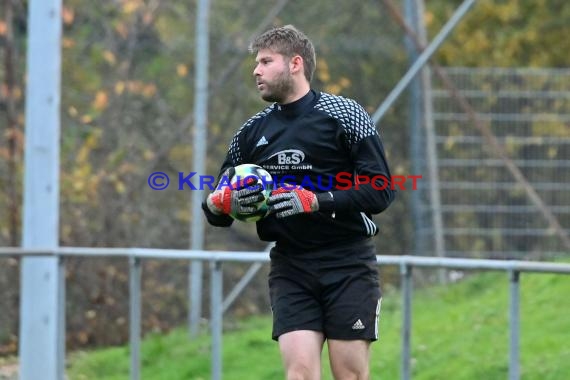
x,y
340,181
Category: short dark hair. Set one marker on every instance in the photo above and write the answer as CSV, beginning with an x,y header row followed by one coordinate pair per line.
x,y
288,41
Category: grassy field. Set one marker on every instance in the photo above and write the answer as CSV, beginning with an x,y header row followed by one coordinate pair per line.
x,y
460,331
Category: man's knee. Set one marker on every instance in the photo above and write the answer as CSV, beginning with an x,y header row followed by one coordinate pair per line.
x,y
302,371
351,373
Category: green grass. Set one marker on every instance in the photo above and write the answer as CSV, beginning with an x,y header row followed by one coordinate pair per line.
x,y
459,332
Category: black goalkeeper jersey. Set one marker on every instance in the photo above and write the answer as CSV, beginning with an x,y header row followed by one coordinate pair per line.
x,y
322,142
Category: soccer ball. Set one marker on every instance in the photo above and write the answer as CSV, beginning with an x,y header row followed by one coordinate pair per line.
x,y
242,173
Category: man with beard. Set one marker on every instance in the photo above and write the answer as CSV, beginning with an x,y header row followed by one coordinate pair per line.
x,y
323,281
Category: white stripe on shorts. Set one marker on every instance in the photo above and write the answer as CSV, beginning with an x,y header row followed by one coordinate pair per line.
x,y
377,319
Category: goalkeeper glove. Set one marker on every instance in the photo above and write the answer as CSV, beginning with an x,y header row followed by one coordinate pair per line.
x,y
292,200
240,197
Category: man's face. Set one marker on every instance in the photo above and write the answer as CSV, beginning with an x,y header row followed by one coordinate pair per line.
x,y
272,76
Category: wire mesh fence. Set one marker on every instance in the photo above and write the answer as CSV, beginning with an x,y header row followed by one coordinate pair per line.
x,y
488,210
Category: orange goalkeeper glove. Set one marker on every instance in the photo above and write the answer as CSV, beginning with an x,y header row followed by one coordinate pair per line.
x,y
240,197
292,200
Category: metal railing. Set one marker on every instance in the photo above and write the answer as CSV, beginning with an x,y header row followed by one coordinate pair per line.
x,y
513,268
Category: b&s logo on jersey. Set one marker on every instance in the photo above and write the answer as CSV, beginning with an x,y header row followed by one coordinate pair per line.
x,y
291,156
287,160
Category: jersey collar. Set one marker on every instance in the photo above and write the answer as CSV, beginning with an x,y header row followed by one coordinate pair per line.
x,y
298,105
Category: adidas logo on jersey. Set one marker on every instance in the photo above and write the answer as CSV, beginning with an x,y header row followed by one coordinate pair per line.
x,y
262,141
358,325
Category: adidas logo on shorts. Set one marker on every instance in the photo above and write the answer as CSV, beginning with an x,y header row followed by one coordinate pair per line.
x,y
358,325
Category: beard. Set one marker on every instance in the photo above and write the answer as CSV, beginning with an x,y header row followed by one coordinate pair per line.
x,y
278,90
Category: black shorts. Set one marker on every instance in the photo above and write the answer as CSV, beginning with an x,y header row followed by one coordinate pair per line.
x,y
334,291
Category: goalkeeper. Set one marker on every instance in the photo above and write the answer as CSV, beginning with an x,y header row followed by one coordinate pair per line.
x,y
323,282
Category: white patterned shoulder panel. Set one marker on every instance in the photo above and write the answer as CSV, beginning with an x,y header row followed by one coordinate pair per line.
x,y
354,119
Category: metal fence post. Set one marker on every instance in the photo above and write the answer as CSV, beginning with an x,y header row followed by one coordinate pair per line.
x,y
417,155
216,300
135,315
41,346
198,159
514,324
406,276
61,315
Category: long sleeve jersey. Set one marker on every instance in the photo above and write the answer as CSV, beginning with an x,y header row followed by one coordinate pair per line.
x,y
327,144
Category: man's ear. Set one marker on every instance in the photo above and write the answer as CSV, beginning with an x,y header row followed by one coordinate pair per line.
x,y
296,64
